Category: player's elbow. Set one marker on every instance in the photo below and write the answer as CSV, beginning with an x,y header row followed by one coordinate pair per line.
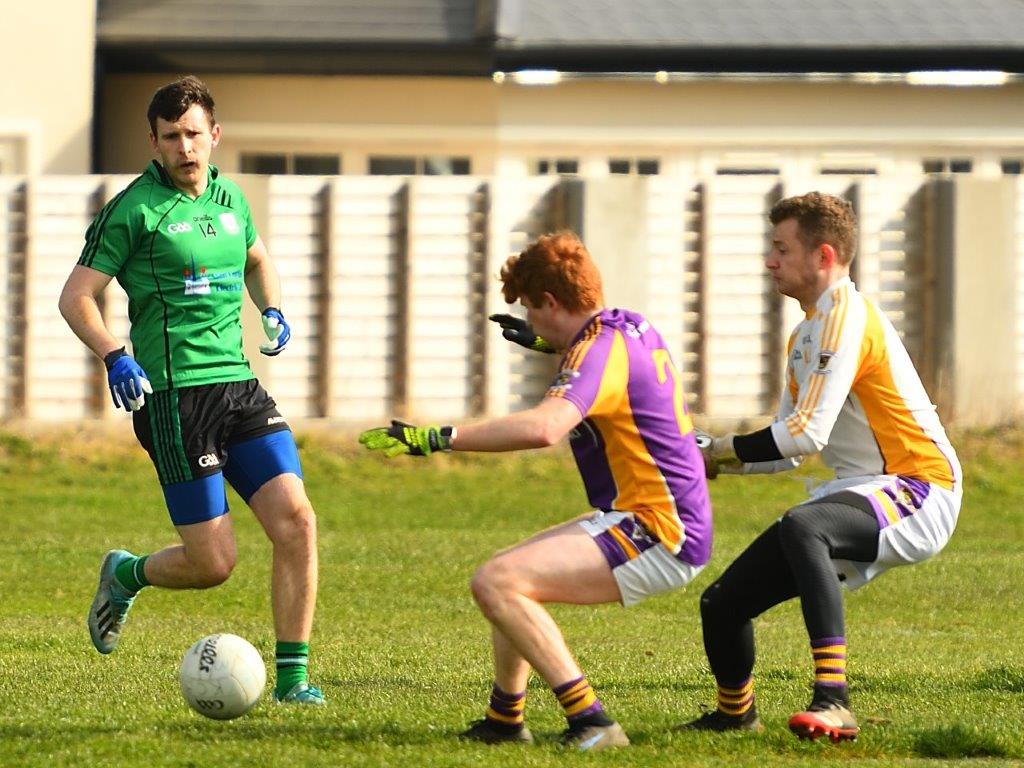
x,y
68,305
548,433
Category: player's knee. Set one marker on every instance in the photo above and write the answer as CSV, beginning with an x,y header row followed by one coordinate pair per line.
x,y
296,524
214,571
711,603
795,525
489,585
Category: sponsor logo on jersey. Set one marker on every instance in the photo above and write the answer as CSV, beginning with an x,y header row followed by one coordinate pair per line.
x,y
209,460
275,420
230,223
178,228
196,281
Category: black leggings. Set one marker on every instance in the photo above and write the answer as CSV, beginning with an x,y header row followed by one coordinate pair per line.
x,y
792,558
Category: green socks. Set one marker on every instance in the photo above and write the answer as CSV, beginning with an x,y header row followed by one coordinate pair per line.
x,y
292,666
131,574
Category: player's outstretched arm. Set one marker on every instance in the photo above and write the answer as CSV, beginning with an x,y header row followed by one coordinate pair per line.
x,y
543,425
518,331
402,438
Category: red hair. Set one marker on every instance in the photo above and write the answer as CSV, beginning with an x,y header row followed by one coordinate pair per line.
x,y
558,264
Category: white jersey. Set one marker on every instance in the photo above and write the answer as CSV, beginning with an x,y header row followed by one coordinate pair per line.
x,y
852,393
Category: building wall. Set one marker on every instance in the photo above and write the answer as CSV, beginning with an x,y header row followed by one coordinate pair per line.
x,y
46,92
694,126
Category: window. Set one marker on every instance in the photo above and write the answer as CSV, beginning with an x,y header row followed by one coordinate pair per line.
x,y
848,171
747,171
941,165
639,166
316,165
1012,167
266,164
566,166
446,166
392,166
409,165
281,163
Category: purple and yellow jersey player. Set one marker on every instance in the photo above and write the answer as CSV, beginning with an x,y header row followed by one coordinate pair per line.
x,y
634,447
618,398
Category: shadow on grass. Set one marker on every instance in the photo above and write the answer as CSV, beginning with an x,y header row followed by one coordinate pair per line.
x,y
959,741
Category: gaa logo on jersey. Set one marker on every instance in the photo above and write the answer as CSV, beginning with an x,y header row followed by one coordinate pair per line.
x,y
230,223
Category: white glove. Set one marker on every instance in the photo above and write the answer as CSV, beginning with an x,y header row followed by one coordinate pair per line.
x,y
719,454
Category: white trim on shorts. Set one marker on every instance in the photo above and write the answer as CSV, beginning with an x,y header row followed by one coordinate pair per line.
x,y
654,571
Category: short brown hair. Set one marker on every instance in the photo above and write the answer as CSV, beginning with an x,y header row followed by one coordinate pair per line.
x,y
821,219
559,264
174,99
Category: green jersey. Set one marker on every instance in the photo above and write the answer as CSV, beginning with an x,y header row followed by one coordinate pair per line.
x,y
182,263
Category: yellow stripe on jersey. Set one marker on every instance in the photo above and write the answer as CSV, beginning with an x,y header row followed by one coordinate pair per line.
x,y
836,319
801,417
831,333
906,448
794,388
640,485
580,348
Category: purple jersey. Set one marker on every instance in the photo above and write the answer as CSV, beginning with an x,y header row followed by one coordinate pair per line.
x,y
635,447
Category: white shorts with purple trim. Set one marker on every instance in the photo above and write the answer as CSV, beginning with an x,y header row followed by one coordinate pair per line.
x,y
642,567
915,519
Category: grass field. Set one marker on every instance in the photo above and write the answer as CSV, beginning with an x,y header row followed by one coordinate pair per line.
x,y
399,648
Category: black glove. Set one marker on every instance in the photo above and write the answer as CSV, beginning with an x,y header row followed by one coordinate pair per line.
x,y
517,330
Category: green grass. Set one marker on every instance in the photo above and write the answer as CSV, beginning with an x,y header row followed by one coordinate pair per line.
x,y
400,650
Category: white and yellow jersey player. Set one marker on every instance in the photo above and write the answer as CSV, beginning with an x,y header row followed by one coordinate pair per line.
x,y
852,394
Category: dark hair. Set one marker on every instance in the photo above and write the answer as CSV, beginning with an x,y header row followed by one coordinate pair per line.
x,y
821,219
174,100
559,264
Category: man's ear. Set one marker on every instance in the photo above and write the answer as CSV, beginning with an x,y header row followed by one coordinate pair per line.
x,y
829,257
549,300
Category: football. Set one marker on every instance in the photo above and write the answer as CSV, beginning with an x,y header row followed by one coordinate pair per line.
x,y
222,676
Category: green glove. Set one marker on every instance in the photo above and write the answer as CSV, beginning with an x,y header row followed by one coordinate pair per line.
x,y
402,438
517,330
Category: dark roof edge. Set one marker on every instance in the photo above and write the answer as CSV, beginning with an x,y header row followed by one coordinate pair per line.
x,y
297,58
620,58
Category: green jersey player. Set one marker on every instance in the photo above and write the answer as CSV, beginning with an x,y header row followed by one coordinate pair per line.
x,y
181,243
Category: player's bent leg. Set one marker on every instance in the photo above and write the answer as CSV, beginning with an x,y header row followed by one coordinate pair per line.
x,y
198,509
561,565
757,580
206,556
812,535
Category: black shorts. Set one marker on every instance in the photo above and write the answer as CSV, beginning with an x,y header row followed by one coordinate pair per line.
x,y
187,432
